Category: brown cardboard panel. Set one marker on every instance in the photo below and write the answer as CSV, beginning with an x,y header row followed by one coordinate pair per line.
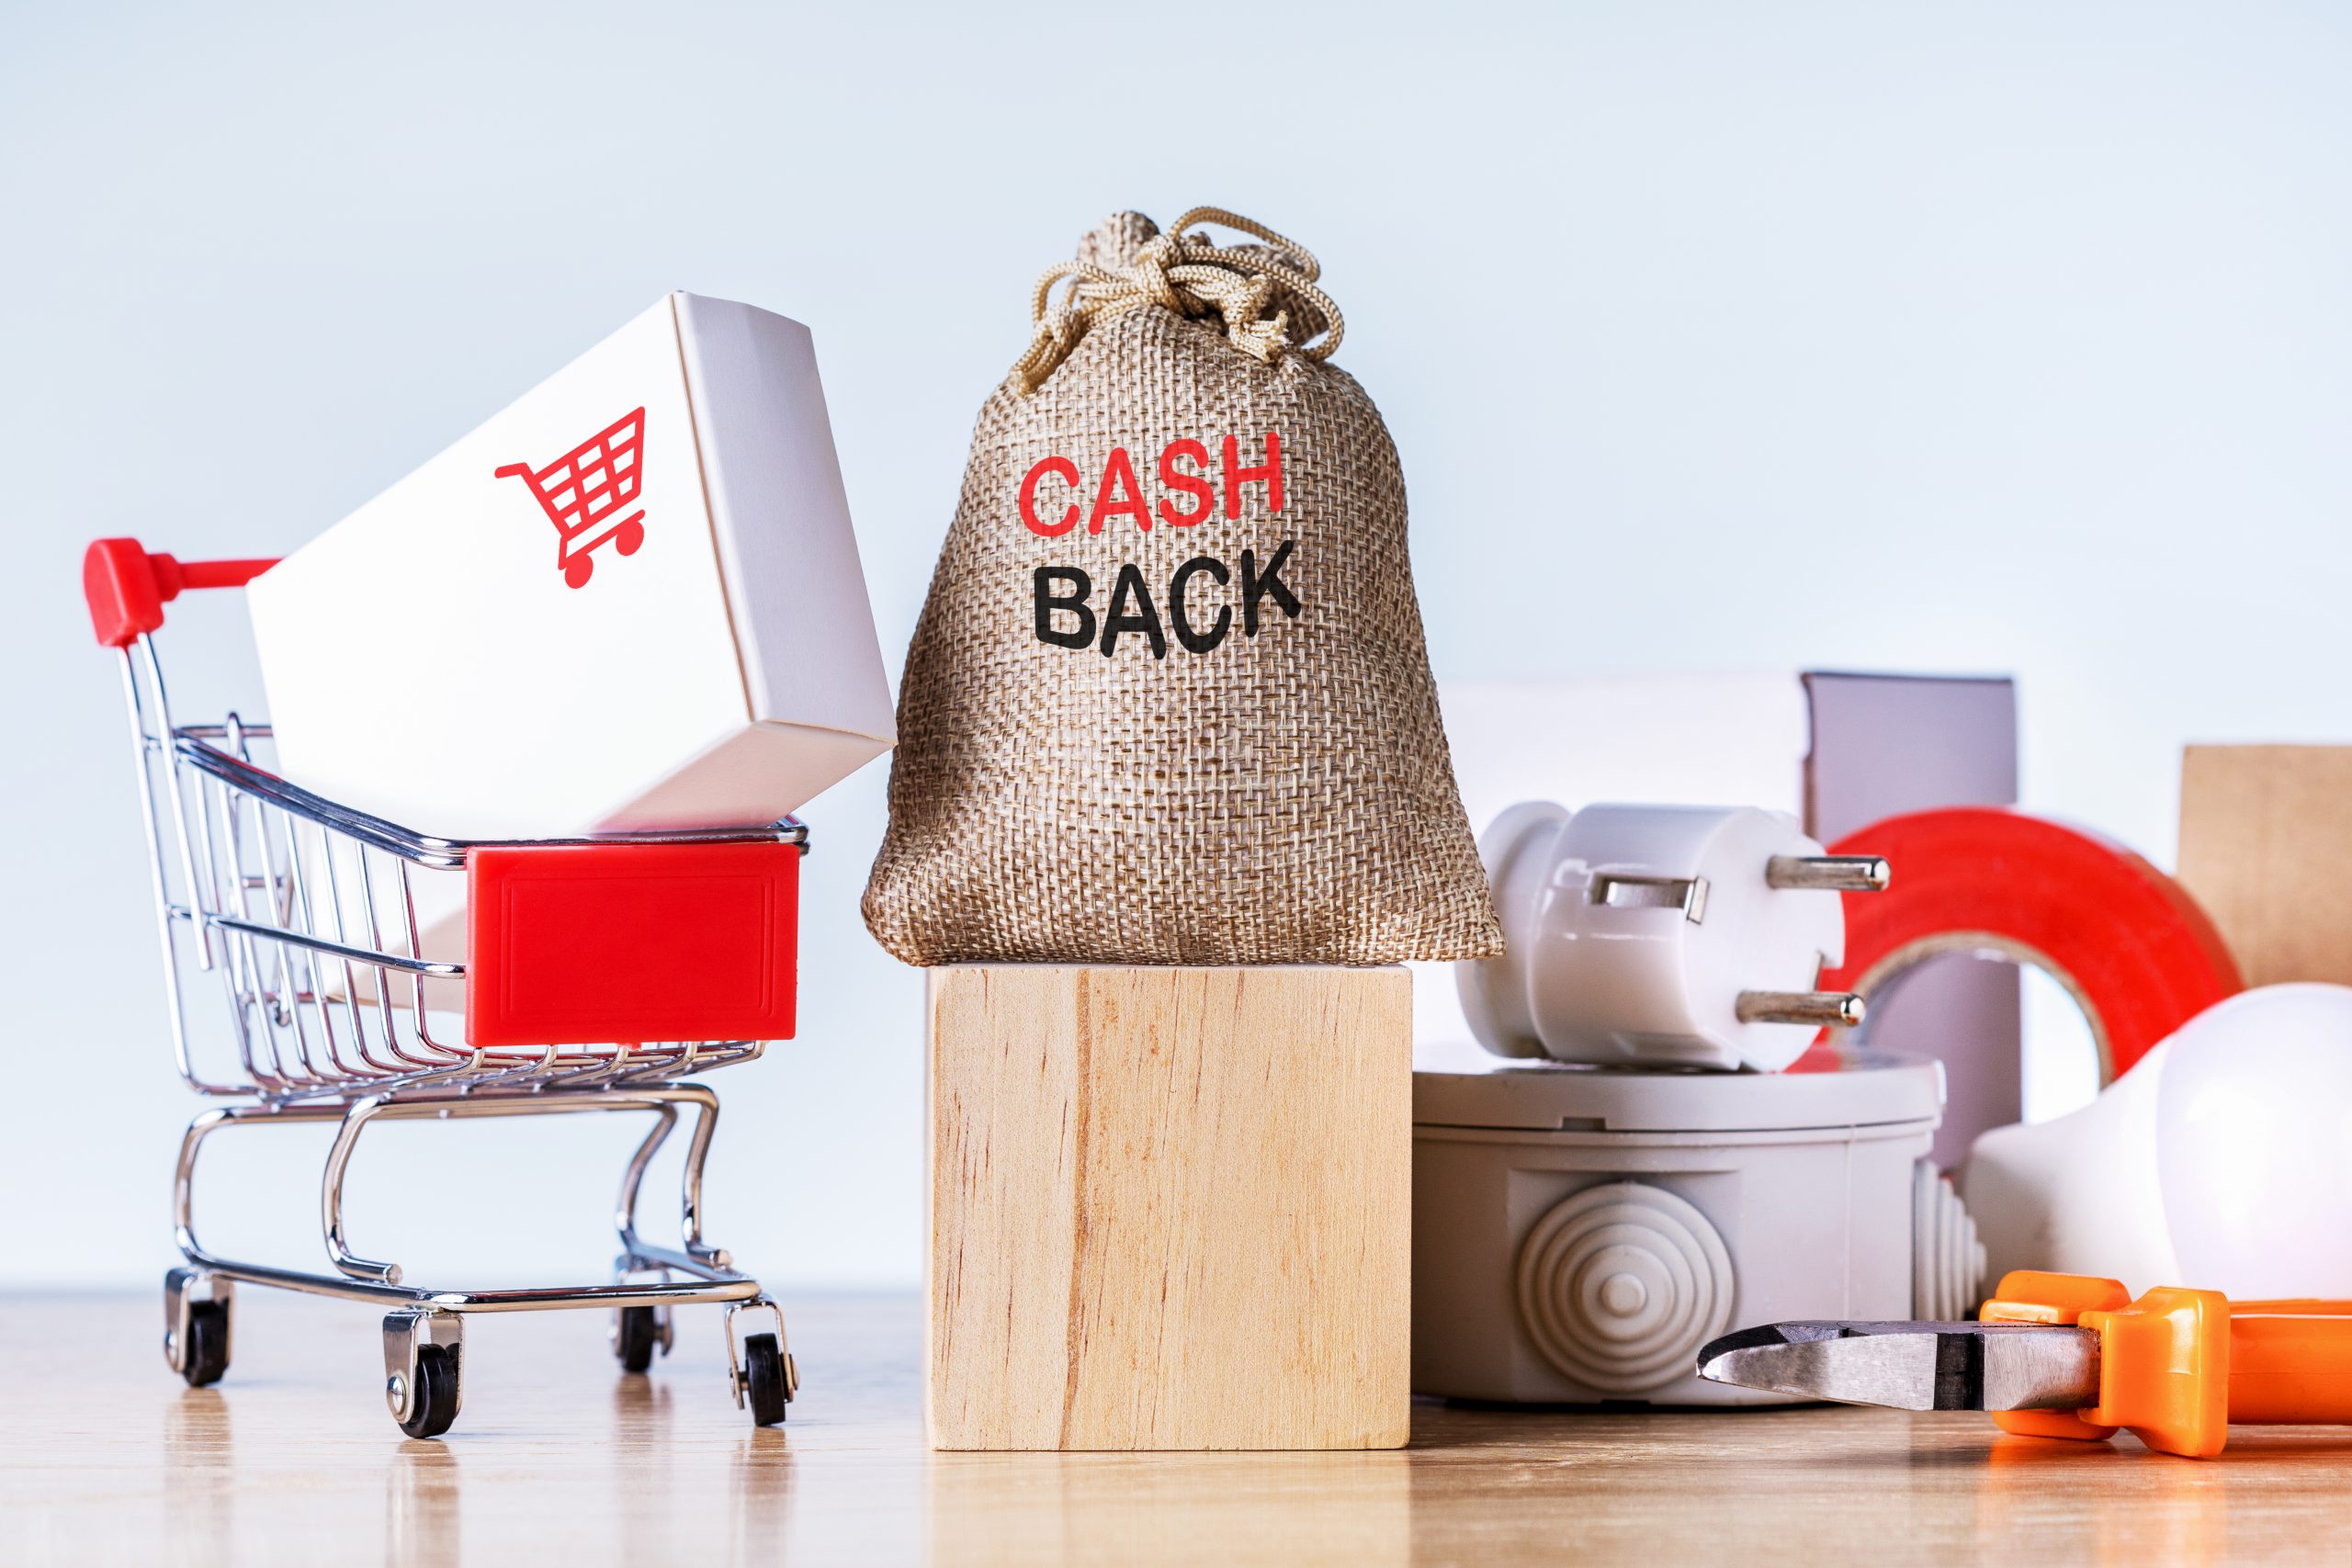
x,y
2265,846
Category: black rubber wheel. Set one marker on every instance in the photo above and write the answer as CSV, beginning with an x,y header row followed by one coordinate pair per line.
x,y
205,1357
764,1366
432,1403
634,1341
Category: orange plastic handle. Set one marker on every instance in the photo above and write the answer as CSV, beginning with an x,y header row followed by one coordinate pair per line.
x,y
2176,1366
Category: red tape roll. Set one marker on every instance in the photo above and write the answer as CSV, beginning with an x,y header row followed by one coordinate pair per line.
x,y
2126,940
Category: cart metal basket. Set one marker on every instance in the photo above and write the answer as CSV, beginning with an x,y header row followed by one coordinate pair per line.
x,y
304,914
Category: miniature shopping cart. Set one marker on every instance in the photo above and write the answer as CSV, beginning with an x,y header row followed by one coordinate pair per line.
x,y
599,973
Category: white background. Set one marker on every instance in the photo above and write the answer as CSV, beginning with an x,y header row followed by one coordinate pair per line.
x,y
1982,337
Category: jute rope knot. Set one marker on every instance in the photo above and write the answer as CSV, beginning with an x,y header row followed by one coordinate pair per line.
x,y
1184,273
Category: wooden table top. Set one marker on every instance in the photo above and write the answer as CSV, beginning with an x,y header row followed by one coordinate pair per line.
x,y
105,1457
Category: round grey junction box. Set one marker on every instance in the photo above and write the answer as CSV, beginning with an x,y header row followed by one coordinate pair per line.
x,y
1579,1233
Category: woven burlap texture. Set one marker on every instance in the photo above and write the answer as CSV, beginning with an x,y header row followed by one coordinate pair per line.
x,y
1285,799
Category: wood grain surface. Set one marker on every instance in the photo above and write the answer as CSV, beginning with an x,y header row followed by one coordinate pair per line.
x,y
1169,1208
105,1458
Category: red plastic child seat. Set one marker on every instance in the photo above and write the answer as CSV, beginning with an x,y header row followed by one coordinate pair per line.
x,y
584,943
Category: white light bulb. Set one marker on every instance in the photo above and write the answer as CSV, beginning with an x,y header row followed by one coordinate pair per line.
x,y
2221,1161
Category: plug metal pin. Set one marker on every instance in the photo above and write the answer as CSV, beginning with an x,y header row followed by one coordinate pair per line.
x,y
1824,1010
1835,873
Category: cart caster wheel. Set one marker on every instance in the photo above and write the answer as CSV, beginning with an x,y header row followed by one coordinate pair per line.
x,y
206,1356
636,1337
432,1403
629,536
195,1326
578,571
763,1371
422,1381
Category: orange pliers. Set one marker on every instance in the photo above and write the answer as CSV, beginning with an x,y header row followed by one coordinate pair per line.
x,y
2176,1366
2070,1356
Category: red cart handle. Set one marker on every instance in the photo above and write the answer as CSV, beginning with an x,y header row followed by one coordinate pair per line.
x,y
128,588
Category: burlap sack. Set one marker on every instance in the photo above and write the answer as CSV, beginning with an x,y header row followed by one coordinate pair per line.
x,y
1169,701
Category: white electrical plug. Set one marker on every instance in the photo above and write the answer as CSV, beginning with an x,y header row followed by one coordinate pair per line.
x,y
1661,936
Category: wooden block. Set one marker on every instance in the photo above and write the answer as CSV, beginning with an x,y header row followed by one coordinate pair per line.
x,y
1169,1208
2265,846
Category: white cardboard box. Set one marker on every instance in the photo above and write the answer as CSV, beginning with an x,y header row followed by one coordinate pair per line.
x,y
428,660
443,657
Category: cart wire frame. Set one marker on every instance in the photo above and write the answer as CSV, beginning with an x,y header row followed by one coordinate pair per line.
x,y
305,909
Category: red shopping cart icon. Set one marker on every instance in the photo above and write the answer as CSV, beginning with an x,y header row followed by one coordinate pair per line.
x,y
581,490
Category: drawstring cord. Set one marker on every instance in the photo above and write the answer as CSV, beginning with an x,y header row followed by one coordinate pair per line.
x,y
1184,273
